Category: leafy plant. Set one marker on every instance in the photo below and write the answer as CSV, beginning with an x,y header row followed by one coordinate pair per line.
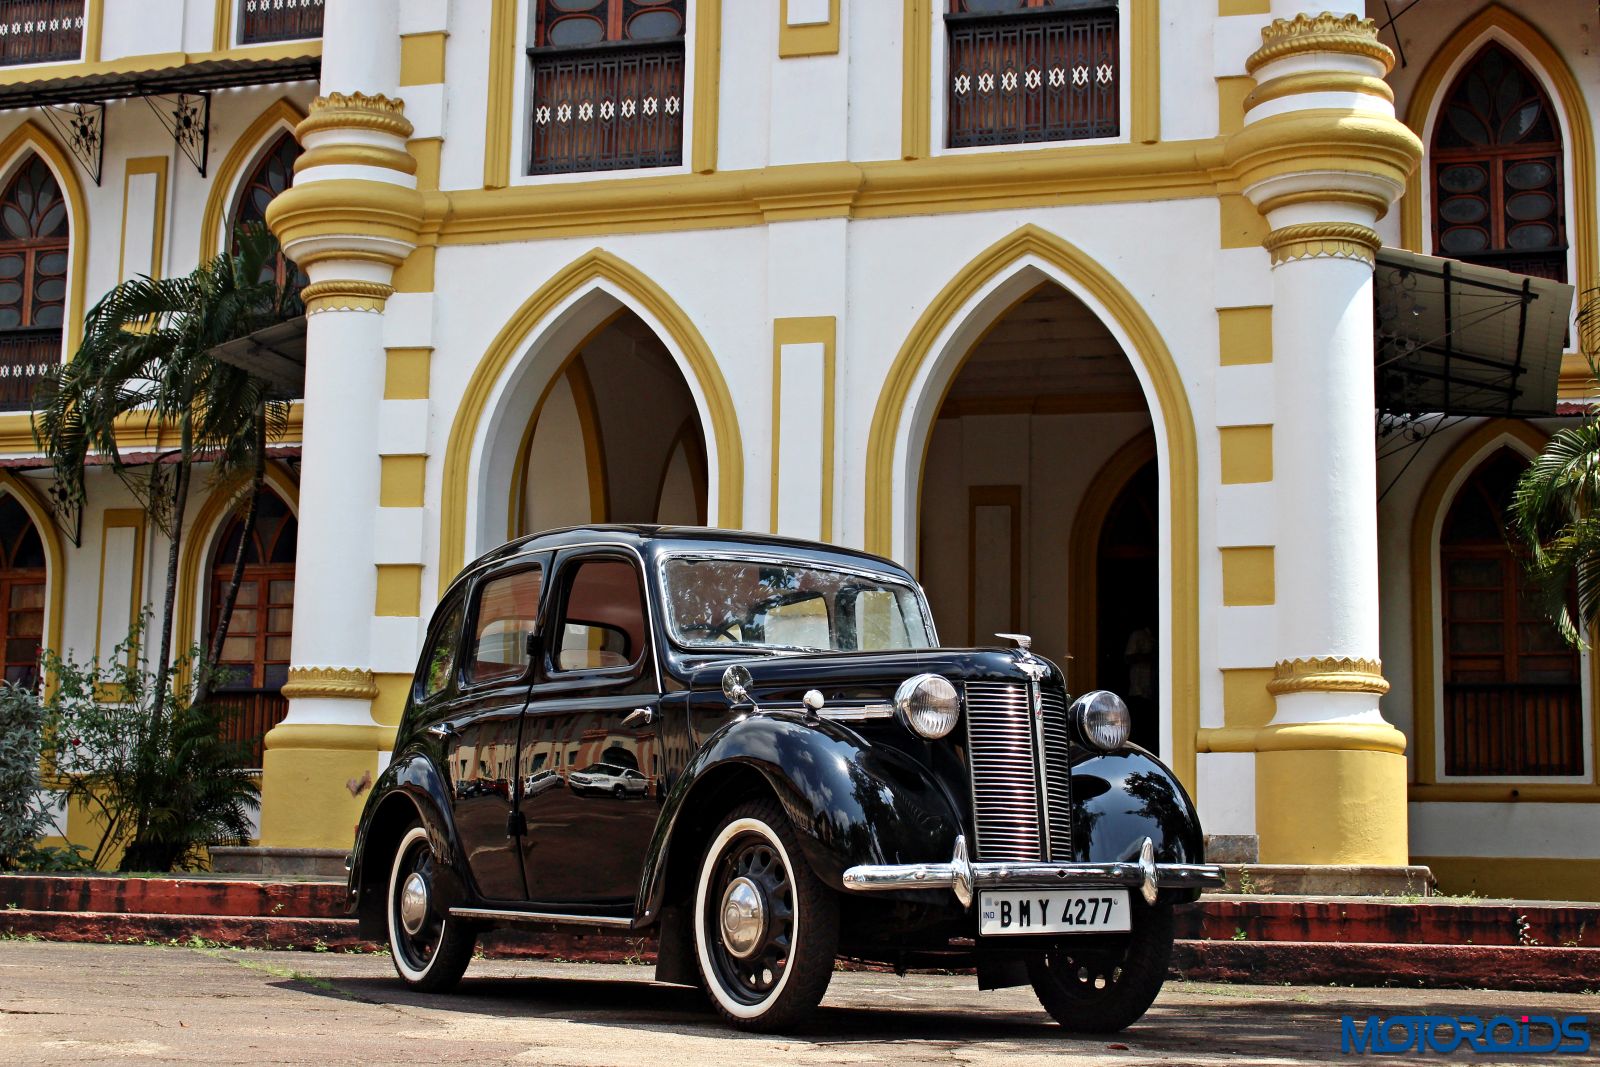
x,y
23,817
152,765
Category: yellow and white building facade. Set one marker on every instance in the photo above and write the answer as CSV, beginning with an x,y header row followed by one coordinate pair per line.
x,y
1069,307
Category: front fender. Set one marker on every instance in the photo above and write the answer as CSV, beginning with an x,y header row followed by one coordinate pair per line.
x,y
410,790
850,803
1121,798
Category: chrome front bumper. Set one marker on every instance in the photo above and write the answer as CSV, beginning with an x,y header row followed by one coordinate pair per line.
x,y
965,877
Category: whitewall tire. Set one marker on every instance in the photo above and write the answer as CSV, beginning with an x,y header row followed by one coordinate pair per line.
x,y
430,949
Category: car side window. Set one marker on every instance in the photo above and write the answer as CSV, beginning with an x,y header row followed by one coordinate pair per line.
x,y
440,659
602,624
507,612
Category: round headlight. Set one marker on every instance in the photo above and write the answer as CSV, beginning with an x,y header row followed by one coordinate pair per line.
x,y
928,705
1102,720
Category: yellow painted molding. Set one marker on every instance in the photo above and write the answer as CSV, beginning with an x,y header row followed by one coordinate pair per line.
x,y
94,21
1328,674
42,515
1246,454
1242,226
133,430
426,151
916,59
280,113
157,62
1502,793
399,590
1150,350
222,25
1304,34
1577,131
401,481
422,58
121,519
343,683
340,683
1330,737
819,329
1335,140
416,274
504,43
1083,551
1319,81
345,295
1244,335
1246,703
1577,380
367,112
510,343
1244,7
356,155
343,207
1144,80
707,85
156,165
1248,578
406,373
1323,240
1231,94
29,136
818,39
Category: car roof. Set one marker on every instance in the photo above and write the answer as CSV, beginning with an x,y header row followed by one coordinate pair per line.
x,y
653,540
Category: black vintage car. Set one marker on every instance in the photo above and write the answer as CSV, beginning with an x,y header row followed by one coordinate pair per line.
x,y
795,772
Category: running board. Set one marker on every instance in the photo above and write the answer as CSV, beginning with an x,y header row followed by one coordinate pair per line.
x,y
553,918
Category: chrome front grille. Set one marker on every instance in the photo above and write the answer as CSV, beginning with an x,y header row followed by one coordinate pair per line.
x,y
1004,745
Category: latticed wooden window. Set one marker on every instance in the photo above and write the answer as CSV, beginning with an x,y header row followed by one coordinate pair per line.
x,y
1031,70
34,237
1497,181
279,20
22,584
40,31
273,173
1513,703
607,85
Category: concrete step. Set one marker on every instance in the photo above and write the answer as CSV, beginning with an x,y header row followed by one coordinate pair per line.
x,y
172,896
1321,919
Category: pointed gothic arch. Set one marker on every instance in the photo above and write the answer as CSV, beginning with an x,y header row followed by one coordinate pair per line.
x,y
29,141
279,117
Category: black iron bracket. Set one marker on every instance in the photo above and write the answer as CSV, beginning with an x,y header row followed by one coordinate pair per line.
x,y
187,117
83,127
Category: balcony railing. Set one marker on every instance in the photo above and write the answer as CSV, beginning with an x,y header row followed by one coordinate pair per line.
x,y
1513,730
1041,75
40,31
254,712
261,21
611,107
25,355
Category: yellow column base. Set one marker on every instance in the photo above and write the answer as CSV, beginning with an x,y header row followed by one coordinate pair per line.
x,y
311,783
1332,794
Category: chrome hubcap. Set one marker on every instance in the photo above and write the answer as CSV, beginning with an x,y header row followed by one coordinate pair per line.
x,y
413,903
744,917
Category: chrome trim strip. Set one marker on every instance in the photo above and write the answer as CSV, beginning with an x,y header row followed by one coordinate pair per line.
x,y
541,917
861,714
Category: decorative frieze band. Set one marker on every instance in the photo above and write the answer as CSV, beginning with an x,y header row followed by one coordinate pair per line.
x,y
345,295
1345,34
356,111
1318,240
341,683
1328,674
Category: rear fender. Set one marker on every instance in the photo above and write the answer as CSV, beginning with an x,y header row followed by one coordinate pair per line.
x,y
410,791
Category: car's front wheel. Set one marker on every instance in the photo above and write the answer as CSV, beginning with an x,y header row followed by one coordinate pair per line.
x,y
431,950
765,928
1102,990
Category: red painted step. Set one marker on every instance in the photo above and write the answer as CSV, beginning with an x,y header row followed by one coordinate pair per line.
x,y
1218,918
172,896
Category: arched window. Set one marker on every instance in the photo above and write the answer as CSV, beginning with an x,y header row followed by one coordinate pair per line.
x,y
273,173
255,655
1513,703
34,234
22,583
1497,182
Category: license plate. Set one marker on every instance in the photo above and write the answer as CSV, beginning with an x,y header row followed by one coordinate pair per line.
x,y
1052,911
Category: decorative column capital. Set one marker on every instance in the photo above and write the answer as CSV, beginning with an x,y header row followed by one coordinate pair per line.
x,y
1328,674
355,111
1323,240
344,294
1349,35
339,683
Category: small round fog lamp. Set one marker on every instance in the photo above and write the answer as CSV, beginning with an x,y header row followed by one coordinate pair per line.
x,y
928,705
1101,720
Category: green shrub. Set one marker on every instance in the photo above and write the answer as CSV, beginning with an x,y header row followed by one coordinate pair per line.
x,y
23,818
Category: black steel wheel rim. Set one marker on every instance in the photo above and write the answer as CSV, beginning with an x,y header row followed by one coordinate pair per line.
x,y
1086,976
754,978
417,950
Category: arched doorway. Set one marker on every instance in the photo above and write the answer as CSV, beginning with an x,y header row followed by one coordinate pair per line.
x,y
1044,400
255,655
35,233
22,593
614,438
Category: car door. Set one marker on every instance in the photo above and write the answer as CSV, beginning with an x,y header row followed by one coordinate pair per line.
x,y
483,726
591,719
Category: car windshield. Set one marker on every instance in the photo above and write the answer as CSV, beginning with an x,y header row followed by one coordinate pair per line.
x,y
789,605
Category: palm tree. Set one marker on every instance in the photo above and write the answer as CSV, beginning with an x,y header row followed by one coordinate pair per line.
x,y
146,355
1555,508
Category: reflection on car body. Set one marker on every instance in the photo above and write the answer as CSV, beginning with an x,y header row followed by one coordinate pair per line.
x,y
826,780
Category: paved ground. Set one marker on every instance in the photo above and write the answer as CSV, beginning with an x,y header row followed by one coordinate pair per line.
x,y
80,1003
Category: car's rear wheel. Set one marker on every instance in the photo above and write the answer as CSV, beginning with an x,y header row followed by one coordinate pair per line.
x,y
765,929
431,949
1103,990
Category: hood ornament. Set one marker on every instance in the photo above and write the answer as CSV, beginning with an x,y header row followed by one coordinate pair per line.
x,y
1022,641
1032,665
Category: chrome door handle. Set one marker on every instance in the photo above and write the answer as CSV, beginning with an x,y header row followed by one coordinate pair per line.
x,y
442,730
639,717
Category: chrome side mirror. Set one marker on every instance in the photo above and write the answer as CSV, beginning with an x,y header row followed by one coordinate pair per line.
x,y
736,685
